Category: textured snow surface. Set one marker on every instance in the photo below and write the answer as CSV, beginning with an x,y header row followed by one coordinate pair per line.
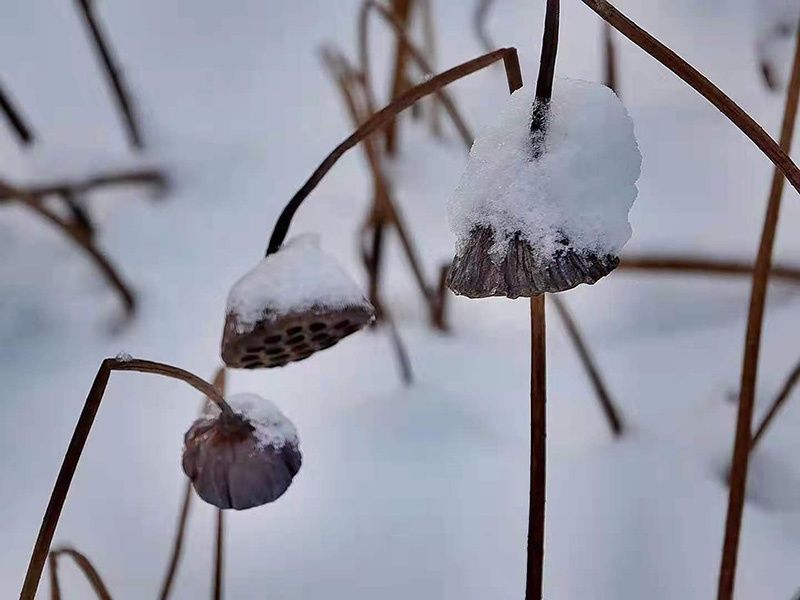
x,y
272,427
296,277
580,190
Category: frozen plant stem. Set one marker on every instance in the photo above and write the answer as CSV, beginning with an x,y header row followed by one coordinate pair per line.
x,y
219,555
15,119
776,405
112,71
755,320
380,118
402,12
177,545
78,441
701,265
86,567
701,85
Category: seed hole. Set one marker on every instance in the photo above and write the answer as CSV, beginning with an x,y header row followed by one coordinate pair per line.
x,y
301,348
250,358
317,326
274,350
320,337
298,339
294,330
272,339
253,349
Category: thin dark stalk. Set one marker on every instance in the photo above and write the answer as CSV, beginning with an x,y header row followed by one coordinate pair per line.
x,y
479,18
610,58
701,85
79,237
80,217
536,515
429,50
18,124
219,556
701,265
606,403
55,586
752,347
140,176
777,404
402,13
103,50
78,442
378,120
547,62
86,567
177,545
414,53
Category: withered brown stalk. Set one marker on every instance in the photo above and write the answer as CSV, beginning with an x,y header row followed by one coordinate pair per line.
x,y
383,212
378,120
610,59
183,515
80,237
414,53
75,449
701,85
86,567
777,404
15,119
124,103
701,265
219,556
479,19
152,177
429,50
752,347
401,10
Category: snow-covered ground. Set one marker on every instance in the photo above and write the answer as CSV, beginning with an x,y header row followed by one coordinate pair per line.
x,y
404,493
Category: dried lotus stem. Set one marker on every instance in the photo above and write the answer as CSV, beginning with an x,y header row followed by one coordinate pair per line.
x,y
701,265
402,12
777,404
701,85
18,124
479,18
219,555
752,346
378,120
78,442
86,567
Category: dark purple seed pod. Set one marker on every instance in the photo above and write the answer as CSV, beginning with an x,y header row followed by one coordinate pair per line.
x,y
293,304
243,460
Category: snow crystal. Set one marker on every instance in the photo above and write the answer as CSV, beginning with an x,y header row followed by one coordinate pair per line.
x,y
297,277
272,427
123,357
579,190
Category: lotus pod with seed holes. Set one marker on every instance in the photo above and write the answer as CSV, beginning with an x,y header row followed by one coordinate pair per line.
x,y
294,303
242,460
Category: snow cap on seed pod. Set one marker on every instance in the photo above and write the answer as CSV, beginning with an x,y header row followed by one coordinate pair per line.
x,y
545,220
294,303
241,460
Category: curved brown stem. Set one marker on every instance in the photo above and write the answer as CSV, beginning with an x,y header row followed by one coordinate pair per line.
x,y
701,85
55,586
152,177
413,52
79,237
606,403
77,444
777,404
378,120
752,347
701,265
86,567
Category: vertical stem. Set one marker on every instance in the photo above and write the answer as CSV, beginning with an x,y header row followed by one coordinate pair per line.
x,y
402,10
755,319
177,546
547,63
777,404
112,71
610,56
15,119
533,590
61,487
219,555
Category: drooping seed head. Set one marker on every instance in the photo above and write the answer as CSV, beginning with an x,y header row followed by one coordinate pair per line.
x,y
243,460
294,303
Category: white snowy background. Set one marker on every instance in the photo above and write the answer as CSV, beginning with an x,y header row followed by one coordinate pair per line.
x,y
404,493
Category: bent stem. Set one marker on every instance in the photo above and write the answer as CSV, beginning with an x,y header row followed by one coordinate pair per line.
x,y
752,347
777,404
78,442
378,120
85,566
701,85
610,411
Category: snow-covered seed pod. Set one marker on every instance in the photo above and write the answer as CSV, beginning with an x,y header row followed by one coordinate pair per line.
x,y
546,219
242,460
295,302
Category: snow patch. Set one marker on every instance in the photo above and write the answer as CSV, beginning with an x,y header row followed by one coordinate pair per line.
x,y
580,190
297,277
272,427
